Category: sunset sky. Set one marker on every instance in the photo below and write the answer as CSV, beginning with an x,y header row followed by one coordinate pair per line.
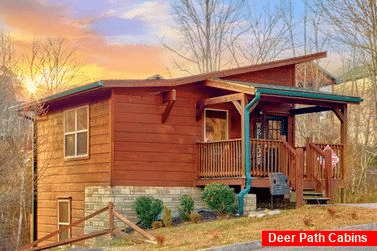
x,y
114,38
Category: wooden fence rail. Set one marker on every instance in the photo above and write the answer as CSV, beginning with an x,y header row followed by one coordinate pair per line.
x,y
112,213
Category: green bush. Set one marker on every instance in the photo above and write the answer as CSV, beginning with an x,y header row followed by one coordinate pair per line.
x,y
148,209
219,197
186,207
195,217
167,218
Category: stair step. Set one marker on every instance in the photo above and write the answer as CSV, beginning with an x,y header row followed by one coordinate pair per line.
x,y
312,193
316,200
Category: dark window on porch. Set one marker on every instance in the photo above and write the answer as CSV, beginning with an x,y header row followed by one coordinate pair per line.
x,y
216,125
276,126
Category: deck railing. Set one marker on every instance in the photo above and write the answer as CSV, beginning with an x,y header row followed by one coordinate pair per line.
x,y
315,162
270,156
220,159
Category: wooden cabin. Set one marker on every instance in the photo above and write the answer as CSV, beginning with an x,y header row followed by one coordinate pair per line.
x,y
180,134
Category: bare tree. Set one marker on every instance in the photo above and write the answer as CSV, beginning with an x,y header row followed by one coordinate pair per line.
x,y
353,23
207,27
266,36
51,66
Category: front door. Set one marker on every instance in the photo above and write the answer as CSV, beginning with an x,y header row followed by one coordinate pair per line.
x,y
276,126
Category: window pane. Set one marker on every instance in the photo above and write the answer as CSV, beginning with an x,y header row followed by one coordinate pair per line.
x,y
82,118
70,121
82,143
63,212
70,145
216,125
63,235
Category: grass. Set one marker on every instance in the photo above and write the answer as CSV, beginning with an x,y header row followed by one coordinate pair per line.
x,y
227,231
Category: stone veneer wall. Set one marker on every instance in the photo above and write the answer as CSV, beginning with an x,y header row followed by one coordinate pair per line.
x,y
124,197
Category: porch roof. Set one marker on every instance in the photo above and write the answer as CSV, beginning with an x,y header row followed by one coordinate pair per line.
x,y
284,91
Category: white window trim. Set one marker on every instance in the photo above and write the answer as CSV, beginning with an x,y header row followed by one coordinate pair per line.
x,y
227,122
77,132
69,200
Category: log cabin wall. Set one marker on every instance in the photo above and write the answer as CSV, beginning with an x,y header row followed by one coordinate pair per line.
x,y
59,177
148,152
284,75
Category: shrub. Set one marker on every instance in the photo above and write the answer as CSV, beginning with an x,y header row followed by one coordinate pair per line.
x,y
219,197
167,218
148,209
195,217
186,207
156,224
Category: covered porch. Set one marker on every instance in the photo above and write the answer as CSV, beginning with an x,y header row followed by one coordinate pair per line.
x,y
266,142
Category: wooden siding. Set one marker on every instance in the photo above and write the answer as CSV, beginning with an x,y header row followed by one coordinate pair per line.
x,y
58,177
277,76
148,152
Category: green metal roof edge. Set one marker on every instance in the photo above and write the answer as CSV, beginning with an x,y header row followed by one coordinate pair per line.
x,y
314,95
73,91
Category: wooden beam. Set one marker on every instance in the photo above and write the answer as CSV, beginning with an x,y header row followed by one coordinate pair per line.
x,y
223,99
230,86
69,226
199,109
339,113
133,226
168,97
238,107
72,240
311,109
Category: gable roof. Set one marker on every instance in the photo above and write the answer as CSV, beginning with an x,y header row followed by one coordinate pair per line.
x,y
160,82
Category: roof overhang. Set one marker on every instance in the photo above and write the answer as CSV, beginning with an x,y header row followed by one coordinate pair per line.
x,y
289,93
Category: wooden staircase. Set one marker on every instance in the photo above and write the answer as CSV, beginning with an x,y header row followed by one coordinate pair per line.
x,y
312,197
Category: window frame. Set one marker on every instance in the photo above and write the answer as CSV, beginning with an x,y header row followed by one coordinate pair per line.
x,y
69,200
205,125
75,132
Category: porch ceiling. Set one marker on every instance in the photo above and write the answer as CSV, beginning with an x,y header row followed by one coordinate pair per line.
x,y
288,94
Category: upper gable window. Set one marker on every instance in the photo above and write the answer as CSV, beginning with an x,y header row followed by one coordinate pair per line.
x,y
76,124
216,125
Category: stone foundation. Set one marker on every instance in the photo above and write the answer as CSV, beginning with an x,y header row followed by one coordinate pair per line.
x,y
124,197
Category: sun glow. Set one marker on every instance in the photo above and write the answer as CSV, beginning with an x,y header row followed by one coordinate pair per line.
x,y
31,86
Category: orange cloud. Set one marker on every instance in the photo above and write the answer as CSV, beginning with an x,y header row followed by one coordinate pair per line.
x,y
115,60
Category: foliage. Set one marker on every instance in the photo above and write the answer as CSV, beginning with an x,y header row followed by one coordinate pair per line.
x,y
156,224
148,209
167,218
195,217
219,197
186,207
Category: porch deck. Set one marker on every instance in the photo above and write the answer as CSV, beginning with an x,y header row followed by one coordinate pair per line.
x,y
222,161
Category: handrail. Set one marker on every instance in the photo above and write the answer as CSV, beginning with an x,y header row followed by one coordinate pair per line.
x,y
316,148
112,214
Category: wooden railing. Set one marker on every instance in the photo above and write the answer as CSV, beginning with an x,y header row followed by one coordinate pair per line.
x,y
220,159
315,161
338,170
110,230
271,156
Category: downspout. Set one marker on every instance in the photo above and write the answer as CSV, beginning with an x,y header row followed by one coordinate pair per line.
x,y
246,190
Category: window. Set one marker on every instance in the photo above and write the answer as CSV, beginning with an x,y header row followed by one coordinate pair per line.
x,y
216,125
64,217
76,124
